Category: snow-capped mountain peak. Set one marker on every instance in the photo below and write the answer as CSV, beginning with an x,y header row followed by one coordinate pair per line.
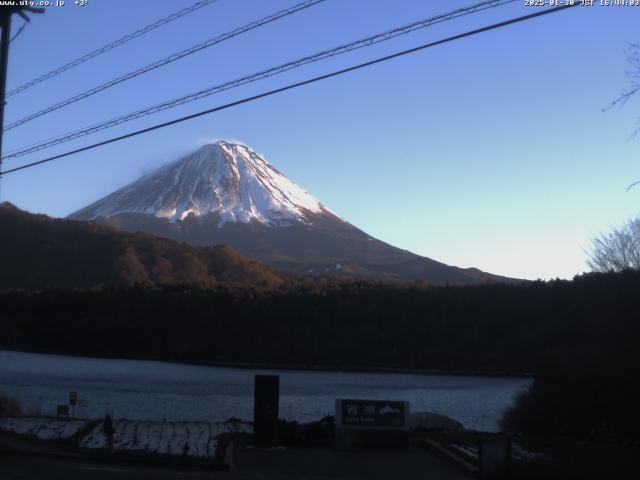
x,y
227,179
226,194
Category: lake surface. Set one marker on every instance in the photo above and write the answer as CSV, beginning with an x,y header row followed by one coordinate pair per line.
x,y
146,390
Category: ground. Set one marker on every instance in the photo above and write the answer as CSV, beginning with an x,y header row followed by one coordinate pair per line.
x,y
250,465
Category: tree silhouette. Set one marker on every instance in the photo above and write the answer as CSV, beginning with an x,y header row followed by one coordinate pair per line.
x,y
617,250
633,74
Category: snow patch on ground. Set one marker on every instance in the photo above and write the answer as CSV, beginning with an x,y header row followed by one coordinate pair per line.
x,y
466,449
521,454
43,428
192,439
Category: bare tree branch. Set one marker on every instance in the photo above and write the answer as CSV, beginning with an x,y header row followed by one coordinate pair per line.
x,y
617,250
633,74
633,185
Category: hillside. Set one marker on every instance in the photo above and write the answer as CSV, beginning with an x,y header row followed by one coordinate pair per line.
x,y
38,252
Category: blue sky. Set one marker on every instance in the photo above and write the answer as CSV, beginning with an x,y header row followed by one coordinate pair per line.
x,y
492,151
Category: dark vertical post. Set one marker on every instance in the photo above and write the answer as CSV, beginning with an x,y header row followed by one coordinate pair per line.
x,y
4,61
109,431
266,404
73,399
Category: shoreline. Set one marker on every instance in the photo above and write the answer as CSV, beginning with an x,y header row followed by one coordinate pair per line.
x,y
302,367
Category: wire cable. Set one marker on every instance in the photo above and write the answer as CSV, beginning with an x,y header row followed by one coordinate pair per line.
x,y
371,40
17,33
110,46
296,85
167,60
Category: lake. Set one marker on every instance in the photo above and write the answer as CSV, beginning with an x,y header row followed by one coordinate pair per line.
x,y
148,390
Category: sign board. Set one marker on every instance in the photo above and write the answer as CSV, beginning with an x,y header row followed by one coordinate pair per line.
x,y
372,413
73,398
62,410
83,403
372,424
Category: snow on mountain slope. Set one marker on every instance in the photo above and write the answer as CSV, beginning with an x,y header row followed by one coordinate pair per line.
x,y
226,194
224,178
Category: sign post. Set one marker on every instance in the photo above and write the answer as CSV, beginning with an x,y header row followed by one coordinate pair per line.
x,y
372,423
73,399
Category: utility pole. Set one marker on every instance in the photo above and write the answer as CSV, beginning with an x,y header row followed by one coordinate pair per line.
x,y
5,38
4,60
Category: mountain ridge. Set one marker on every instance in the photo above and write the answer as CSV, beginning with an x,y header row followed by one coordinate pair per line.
x,y
44,252
225,193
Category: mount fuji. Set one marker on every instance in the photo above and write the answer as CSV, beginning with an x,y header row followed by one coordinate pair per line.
x,y
225,193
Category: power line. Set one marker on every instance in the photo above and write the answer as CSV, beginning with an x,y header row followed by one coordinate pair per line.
x,y
371,40
13,37
110,46
296,85
167,60
6,15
